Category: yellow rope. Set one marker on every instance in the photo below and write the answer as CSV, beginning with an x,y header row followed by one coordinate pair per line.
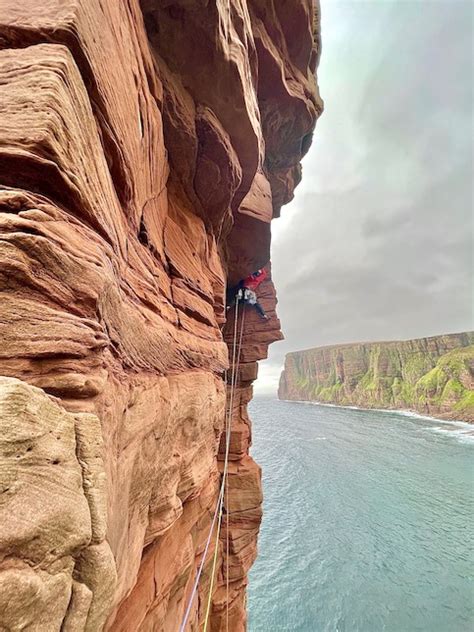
x,y
235,366
214,563
227,580
227,554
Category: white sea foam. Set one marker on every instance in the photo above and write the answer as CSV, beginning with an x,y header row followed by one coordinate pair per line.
x,y
465,438
405,413
462,434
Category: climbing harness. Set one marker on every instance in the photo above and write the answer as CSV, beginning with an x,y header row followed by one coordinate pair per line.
x,y
223,488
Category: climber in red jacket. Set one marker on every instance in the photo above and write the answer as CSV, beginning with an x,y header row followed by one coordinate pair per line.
x,y
253,280
249,285
246,291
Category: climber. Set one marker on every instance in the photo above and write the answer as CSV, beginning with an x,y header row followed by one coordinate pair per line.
x,y
245,290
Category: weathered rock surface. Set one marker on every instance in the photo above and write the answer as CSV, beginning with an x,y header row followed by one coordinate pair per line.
x,y
428,375
52,514
144,149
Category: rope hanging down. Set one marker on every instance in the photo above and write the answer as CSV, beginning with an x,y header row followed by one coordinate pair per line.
x,y
235,367
220,498
227,479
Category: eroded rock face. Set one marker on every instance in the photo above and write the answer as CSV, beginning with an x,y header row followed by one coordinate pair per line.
x,y
145,147
52,515
429,375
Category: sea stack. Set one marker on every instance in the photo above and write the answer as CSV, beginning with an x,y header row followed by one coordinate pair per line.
x,y
145,148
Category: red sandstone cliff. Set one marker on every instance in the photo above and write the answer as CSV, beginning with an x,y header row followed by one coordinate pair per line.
x,y
432,376
144,149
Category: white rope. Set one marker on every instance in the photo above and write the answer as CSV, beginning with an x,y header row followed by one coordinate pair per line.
x,y
227,479
235,368
220,498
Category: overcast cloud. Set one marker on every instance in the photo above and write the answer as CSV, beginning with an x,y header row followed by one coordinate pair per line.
x,y
377,244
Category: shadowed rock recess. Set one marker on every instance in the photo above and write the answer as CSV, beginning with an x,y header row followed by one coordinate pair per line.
x,y
144,149
433,375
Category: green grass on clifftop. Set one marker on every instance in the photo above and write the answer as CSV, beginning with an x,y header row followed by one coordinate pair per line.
x,y
423,375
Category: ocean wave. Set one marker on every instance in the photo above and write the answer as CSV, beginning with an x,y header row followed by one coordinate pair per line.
x,y
401,411
464,435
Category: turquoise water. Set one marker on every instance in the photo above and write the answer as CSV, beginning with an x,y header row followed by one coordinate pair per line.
x,y
367,522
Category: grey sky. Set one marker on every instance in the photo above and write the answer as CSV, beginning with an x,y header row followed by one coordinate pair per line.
x,y
377,243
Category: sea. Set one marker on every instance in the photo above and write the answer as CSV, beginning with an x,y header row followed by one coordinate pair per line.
x,y
368,521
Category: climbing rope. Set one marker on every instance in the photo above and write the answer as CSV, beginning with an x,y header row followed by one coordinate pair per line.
x,y
227,488
235,368
220,498
213,572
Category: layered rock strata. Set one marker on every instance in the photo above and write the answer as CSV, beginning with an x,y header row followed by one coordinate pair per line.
x,y
144,149
433,376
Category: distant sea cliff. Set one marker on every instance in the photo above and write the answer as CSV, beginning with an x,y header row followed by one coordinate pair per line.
x,y
433,376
